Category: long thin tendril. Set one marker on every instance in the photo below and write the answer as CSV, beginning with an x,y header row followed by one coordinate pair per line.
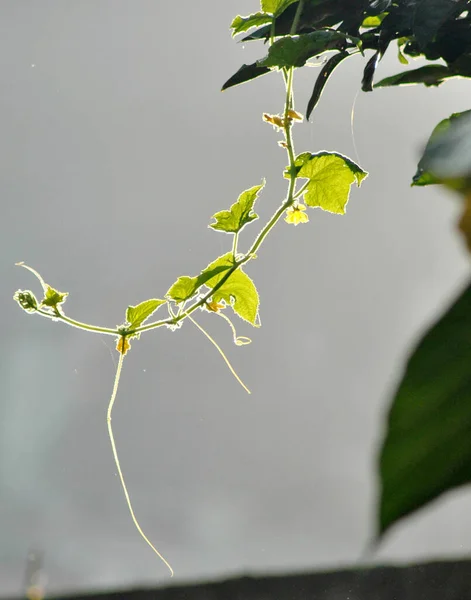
x,y
118,466
218,348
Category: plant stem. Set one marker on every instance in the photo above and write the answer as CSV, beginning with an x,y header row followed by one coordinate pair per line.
x,y
288,77
60,316
268,227
234,244
297,16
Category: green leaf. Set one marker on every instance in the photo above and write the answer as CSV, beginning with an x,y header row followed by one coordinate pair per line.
x,y
238,291
240,213
295,50
330,176
186,287
136,315
322,78
241,24
447,155
275,7
427,448
53,297
428,75
244,74
374,21
183,289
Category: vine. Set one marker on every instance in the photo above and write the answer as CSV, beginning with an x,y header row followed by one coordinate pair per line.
x,y
296,30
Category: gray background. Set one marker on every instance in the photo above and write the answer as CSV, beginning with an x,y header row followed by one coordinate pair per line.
x,y
116,147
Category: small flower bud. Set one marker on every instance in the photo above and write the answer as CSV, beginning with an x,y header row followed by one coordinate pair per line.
x,y
26,300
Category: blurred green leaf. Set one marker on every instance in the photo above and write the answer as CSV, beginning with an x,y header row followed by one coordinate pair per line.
x,y
427,448
447,155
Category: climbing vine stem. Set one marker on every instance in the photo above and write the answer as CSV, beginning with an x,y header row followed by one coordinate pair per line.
x,y
224,285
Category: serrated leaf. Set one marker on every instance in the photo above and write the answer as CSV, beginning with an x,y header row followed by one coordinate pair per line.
x,y
428,75
330,176
183,289
238,291
136,315
295,50
241,24
275,7
244,74
240,214
186,287
427,448
53,297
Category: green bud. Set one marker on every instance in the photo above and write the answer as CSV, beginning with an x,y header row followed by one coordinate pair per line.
x,y
27,300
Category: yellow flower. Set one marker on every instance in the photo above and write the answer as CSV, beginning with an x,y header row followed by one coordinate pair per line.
x,y
277,121
296,215
123,345
292,114
214,306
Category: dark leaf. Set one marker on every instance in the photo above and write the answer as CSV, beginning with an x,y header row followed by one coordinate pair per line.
x,y
430,15
428,75
245,73
294,51
369,73
322,78
377,7
427,449
315,15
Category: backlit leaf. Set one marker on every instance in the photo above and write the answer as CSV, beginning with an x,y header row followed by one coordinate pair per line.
x,y
238,291
275,7
136,315
241,24
240,213
186,287
330,176
295,50
428,75
53,298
